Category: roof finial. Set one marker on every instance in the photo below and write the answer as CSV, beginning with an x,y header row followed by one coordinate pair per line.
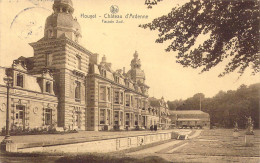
x,y
104,59
135,54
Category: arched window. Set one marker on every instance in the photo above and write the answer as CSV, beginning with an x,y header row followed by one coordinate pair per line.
x,y
48,87
77,90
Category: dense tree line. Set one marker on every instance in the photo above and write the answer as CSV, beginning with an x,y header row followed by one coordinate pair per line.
x,y
226,107
232,26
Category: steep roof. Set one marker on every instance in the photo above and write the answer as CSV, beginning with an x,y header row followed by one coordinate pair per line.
x,y
154,102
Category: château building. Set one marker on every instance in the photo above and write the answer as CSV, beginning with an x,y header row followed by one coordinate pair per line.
x,y
65,85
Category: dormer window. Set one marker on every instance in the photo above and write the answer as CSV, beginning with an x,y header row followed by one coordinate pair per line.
x,y
48,87
117,79
19,80
127,84
103,73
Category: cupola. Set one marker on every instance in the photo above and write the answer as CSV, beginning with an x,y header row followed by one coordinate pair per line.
x,y
61,22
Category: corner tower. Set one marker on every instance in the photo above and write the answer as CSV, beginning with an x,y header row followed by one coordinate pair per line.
x,y
60,52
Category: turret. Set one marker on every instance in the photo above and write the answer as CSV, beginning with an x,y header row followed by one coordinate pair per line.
x,y
61,22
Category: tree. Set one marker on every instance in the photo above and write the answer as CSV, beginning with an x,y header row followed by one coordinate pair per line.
x,y
233,27
226,108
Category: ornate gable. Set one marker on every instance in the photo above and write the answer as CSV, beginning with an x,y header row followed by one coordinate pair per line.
x,y
19,66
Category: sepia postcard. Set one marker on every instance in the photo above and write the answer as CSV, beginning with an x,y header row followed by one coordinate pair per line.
x,y
129,81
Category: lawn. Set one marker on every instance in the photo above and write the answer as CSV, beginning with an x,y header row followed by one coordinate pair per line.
x,y
217,145
222,143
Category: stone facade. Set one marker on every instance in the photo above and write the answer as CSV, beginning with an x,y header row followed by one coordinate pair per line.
x,y
160,106
67,81
31,103
116,98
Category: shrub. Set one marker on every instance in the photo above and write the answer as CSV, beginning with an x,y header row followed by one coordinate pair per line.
x,y
137,128
106,128
18,130
116,127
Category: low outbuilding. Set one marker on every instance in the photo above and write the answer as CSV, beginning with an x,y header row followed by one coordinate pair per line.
x,y
190,119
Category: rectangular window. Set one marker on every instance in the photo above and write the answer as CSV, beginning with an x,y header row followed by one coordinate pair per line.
x,y
19,80
127,116
102,93
117,97
48,116
143,120
116,119
77,91
127,100
108,94
136,103
48,87
121,117
143,105
20,115
108,116
127,119
121,98
79,62
136,120
102,116
78,119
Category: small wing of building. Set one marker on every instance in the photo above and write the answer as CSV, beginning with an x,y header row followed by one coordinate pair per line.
x,y
161,106
32,101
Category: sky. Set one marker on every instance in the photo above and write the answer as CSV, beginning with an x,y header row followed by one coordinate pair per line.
x,y
22,22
